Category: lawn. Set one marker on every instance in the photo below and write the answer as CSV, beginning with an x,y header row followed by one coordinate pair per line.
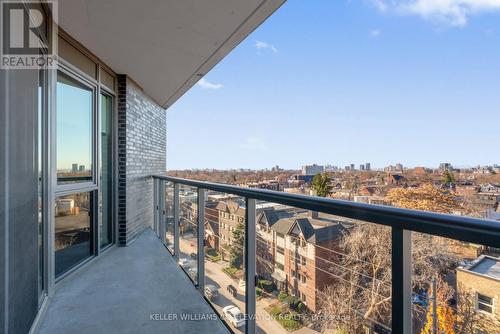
x,y
213,255
288,319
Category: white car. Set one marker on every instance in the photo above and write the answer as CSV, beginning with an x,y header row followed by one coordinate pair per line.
x,y
185,262
233,314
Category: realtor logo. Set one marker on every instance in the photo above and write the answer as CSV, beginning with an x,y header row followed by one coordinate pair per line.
x,y
26,38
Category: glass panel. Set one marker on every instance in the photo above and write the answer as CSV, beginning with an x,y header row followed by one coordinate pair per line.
x,y
71,54
188,231
169,216
321,272
74,130
461,278
107,79
106,186
225,284
72,242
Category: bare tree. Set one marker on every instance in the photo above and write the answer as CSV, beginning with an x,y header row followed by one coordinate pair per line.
x,y
363,287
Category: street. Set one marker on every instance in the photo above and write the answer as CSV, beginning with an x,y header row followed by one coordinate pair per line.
x,y
215,276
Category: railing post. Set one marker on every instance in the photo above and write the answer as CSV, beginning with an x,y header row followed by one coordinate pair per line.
x,y
250,269
176,221
201,240
401,281
162,216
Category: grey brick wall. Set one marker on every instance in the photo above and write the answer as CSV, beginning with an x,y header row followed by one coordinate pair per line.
x,y
141,152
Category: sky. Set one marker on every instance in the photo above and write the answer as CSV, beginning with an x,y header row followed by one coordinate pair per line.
x,y
340,82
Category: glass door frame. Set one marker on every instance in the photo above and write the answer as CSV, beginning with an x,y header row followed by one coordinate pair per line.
x,y
73,188
102,90
57,190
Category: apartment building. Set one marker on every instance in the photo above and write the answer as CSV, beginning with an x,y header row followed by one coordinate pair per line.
x,y
312,169
482,278
297,248
230,215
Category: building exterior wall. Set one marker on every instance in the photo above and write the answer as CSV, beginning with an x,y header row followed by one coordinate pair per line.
x,y
142,152
489,323
228,222
18,201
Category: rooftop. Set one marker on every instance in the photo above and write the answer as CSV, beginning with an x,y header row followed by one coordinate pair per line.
x,y
487,266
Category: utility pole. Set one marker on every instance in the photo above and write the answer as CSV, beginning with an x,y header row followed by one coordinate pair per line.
x,y
434,313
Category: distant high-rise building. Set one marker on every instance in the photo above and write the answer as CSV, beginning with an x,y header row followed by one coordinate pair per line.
x,y
361,167
368,166
312,169
276,168
352,167
74,168
331,168
347,167
399,167
445,166
81,168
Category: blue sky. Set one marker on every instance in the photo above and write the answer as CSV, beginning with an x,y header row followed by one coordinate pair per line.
x,y
339,82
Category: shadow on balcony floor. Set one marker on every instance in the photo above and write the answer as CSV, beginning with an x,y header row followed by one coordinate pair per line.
x,y
119,292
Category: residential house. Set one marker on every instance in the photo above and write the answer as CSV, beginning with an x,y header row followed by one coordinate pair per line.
x,y
482,280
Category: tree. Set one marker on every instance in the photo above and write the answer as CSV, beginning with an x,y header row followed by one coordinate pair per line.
x,y
236,249
426,197
448,178
360,290
321,184
446,317
467,317
445,320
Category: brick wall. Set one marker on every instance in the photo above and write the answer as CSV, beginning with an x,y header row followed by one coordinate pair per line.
x,y
141,153
488,323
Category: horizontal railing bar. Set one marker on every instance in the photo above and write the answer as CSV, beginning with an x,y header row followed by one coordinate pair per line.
x,y
480,231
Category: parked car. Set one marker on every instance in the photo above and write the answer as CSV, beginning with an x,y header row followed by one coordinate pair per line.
x,y
193,273
420,299
232,290
234,315
184,262
211,291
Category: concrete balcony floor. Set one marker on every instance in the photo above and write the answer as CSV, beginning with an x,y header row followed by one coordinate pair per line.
x,y
120,290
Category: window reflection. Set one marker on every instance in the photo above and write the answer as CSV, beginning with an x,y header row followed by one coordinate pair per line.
x,y
73,216
74,130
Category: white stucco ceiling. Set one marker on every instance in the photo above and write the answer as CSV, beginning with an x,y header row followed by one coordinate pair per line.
x,y
163,45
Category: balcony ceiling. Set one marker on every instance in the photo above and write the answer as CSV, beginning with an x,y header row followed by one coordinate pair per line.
x,y
165,46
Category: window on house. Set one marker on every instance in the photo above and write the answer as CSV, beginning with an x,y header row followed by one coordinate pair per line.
x,y
280,266
484,303
303,260
280,250
293,273
304,279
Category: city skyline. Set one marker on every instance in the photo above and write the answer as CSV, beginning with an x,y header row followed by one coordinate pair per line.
x,y
347,81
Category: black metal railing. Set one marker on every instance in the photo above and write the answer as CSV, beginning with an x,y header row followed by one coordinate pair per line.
x,y
401,222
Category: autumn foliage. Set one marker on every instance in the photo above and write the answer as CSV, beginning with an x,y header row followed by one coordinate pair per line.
x,y
426,197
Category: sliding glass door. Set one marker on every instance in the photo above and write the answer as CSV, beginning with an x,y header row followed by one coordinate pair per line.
x,y
83,221
76,187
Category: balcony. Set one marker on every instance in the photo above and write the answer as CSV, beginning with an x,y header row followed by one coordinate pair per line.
x,y
188,225
129,290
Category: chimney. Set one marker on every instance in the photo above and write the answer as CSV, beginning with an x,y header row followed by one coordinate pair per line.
x,y
314,214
